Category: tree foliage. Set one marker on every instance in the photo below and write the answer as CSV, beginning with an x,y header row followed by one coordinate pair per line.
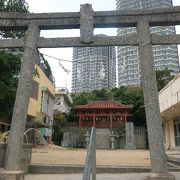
x,y
125,95
163,77
10,60
9,73
13,6
60,123
47,69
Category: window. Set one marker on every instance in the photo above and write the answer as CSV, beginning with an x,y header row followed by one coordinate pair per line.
x,y
35,89
47,103
177,132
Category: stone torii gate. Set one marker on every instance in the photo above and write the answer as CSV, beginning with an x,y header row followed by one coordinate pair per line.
x,y
87,20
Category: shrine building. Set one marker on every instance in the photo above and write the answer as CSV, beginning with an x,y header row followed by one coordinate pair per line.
x,y
102,114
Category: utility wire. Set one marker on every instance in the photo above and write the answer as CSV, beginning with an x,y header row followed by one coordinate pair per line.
x,y
66,70
56,58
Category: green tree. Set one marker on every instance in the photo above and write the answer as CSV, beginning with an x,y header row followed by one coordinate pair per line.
x,y
125,95
60,123
13,6
47,69
80,98
1,5
70,117
9,72
10,60
100,95
134,96
163,77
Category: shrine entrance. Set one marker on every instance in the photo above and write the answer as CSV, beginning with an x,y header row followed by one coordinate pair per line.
x,y
87,20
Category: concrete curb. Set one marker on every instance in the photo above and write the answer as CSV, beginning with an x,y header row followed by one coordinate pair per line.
x,y
72,169
174,159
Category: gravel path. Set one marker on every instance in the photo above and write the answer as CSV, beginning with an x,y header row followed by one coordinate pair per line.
x,y
59,155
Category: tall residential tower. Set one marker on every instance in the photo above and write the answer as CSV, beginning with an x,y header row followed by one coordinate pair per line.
x,y
127,56
93,68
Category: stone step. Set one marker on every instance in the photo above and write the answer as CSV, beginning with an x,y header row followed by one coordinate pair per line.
x,y
102,139
69,169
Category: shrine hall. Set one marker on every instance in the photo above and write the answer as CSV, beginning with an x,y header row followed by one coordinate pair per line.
x,y
104,114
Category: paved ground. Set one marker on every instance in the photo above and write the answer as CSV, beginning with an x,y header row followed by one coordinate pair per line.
x,y
127,176
59,155
66,156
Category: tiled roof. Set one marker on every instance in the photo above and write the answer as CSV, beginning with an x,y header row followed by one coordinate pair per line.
x,y
104,105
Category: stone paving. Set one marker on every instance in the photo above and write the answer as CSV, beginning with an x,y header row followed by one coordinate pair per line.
x,y
120,157
127,176
66,156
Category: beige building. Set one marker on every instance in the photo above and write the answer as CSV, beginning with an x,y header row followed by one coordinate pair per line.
x,y
41,85
169,101
41,104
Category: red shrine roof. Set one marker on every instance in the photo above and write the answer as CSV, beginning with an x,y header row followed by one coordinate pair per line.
x,y
104,105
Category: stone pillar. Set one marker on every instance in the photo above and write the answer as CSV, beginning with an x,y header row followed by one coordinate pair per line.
x,y
153,118
130,145
111,122
86,23
11,175
14,148
112,139
94,121
80,121
125,117
87,138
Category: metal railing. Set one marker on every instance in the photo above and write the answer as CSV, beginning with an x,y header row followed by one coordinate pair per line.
x,y
90,165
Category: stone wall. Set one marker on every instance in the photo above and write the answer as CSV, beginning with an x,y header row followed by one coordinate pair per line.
x,y
102,138
70,138
74,137
25,159
140,137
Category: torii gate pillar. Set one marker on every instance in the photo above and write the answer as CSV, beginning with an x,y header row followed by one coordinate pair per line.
x,y
15,141
153,117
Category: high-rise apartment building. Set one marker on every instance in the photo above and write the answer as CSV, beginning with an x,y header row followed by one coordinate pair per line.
x,y
93,68
127,56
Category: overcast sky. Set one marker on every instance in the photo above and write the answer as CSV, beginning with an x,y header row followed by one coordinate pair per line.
x,y
38,6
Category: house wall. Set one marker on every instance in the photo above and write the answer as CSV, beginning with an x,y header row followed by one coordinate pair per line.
x,y
35,104
63,100
169,134
170,94
63,105
169,101
34,108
